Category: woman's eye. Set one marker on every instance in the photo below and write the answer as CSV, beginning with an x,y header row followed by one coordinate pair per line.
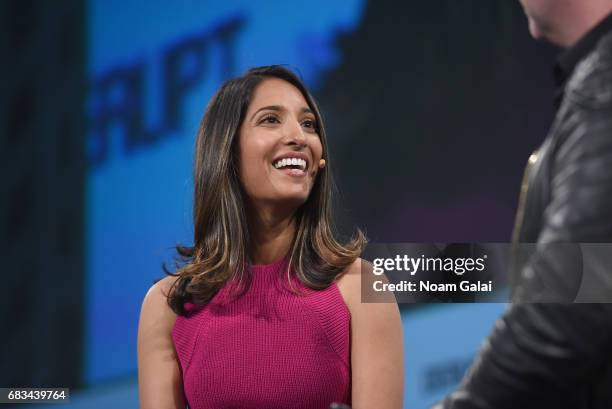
x,y
269,120
309,123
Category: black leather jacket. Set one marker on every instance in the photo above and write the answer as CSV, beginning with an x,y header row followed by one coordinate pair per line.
x,y
558,355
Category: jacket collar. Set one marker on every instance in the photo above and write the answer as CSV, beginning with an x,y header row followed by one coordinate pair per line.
x,y
567,61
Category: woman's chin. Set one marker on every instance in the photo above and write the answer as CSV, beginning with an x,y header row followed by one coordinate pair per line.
x,y
294,199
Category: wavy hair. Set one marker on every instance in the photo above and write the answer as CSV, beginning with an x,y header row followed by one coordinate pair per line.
x,y
221,238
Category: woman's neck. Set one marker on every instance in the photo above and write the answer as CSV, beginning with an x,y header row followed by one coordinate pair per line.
x,y
271,235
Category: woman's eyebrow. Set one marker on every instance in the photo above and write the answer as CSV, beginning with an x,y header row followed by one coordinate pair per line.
x,y
277,108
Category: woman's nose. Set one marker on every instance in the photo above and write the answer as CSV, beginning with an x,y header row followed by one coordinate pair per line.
x,y
295,133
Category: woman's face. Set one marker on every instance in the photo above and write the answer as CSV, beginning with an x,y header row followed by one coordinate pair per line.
x,y
279,145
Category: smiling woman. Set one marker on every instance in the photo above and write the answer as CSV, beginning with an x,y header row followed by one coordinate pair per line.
x,y
265,310
280,149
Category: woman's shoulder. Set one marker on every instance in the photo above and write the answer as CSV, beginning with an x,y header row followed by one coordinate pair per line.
x,y
349,282
358,274
155,308
159,291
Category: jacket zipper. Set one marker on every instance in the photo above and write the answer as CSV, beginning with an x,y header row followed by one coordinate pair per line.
x,y
520,212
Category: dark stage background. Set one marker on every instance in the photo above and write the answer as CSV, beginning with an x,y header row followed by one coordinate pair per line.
x,y
433,113
432,109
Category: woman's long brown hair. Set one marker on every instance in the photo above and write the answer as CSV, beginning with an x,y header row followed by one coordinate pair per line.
x,y
221,237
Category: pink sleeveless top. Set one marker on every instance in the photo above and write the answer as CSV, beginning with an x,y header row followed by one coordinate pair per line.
x,y
269,348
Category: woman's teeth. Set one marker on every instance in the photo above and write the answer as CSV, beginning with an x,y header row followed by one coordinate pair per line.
x,y
290,162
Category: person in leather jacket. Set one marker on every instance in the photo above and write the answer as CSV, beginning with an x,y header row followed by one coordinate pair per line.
x,y
552,348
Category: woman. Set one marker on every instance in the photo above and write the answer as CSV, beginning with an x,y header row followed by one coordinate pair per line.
x,y
266,311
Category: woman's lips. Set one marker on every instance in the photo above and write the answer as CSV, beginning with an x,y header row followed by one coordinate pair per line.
x,y
298,173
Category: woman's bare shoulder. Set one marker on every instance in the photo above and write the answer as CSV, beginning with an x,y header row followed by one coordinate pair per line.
x,y
349,282
359,274
162,287
155,306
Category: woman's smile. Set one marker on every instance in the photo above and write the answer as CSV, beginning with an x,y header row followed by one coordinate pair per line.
x,y
294,164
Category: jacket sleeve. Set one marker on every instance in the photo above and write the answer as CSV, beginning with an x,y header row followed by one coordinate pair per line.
x,y
540,354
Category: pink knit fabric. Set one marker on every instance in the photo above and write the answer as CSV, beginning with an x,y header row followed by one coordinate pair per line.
x,y
267,349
